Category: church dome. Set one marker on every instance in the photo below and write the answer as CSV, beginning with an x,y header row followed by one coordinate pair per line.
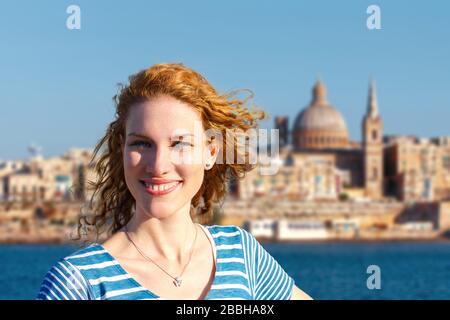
x,y
320,125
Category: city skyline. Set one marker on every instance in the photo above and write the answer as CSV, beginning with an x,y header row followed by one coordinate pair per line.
x,y
66,78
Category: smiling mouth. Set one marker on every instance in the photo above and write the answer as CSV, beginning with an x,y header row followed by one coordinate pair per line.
x,y
160,189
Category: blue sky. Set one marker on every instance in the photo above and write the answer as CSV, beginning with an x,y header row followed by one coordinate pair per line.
x,y
57,84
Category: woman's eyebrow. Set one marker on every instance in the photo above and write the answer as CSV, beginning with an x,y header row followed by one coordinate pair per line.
x,y
139,135
179,136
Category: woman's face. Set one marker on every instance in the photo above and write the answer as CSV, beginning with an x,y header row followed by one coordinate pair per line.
x,y
164,155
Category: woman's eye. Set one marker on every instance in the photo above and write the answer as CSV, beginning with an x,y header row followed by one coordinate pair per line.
x,y
147,144
182,143
140,144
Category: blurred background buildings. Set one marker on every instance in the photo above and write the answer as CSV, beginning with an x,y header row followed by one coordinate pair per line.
x,y
326,186
321,163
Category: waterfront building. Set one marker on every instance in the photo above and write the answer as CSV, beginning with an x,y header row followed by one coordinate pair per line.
x,y
60,178
321,163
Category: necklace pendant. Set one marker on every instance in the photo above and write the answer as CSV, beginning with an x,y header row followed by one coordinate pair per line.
x,y
177,282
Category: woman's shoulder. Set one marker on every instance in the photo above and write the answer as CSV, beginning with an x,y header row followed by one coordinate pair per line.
x,y
86,254
226,231
85,248
230,234
66,279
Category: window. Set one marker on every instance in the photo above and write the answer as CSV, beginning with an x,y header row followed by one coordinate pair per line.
x,y
374,174
374,135
34,193
446,162
62,179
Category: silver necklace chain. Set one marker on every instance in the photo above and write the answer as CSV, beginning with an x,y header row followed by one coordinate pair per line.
x,y
176,280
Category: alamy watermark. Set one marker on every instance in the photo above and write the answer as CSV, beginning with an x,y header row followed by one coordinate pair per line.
x,y
253,146
374,19
374,280
73,21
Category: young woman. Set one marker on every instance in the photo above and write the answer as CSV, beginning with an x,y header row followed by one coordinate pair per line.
x,y
158,174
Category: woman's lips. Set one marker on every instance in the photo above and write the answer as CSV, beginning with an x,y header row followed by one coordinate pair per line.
x,y
158,192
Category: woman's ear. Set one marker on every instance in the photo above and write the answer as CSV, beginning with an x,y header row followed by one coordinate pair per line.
x,y
212,152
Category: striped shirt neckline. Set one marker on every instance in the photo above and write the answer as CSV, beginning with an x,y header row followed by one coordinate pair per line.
x,y
156,296
243,270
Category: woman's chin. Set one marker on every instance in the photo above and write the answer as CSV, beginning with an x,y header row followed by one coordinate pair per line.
x,y
158,211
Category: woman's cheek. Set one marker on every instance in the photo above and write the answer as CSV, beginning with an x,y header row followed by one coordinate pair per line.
x,y
195,173
132,159
186,156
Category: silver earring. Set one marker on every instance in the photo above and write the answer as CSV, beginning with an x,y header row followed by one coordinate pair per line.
x,y
208,165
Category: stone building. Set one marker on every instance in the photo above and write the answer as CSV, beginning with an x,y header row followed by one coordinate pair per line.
x,y
320,162
61,178
417,168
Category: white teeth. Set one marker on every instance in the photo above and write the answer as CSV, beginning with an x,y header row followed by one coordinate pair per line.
x,y
160,187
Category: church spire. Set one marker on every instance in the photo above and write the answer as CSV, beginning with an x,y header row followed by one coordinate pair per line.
x,y
319,93
372,104
373,144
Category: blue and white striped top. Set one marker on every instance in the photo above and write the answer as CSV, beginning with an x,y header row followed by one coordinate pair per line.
x,y
244,270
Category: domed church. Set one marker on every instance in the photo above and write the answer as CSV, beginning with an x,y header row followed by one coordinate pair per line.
x,y
316,160
320,125
320,161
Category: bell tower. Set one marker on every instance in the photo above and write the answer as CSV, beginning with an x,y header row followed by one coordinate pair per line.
x,y
372,128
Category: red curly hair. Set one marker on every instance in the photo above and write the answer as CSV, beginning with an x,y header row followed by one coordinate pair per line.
x,y
111,204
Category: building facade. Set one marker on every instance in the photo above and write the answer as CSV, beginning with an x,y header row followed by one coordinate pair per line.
x,y
63,178
322,163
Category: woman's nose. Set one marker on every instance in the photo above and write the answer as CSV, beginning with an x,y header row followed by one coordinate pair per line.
x,y
159,163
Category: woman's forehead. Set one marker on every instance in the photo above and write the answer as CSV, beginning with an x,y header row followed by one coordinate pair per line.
x,y
164,114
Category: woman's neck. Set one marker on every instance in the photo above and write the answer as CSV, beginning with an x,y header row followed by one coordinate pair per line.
x,y
171,238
